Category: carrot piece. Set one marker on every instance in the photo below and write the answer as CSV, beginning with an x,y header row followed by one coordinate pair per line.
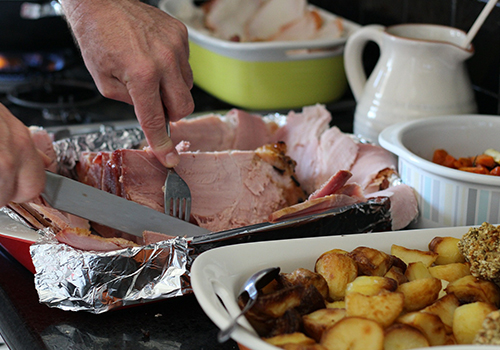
x,y
463,162
449,161
495,171
439,156
486,160
480,169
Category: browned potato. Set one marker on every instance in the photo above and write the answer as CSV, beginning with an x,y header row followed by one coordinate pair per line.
x,y
429,324
417,270
307,277
303,347
316,322
444,308
470,289
420,293
339,304
371,262
371,285
354,333
290,338
468,320
450,272
413,255
447,250
338,270
401,336
396,274
383,308
276,304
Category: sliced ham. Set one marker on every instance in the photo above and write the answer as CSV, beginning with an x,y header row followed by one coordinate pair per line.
x,y
336,182
83,239
155,237
227,18
368,169
237,188
303,28
404,206
236,130
229,189
40,214
314,206
272,16
320,151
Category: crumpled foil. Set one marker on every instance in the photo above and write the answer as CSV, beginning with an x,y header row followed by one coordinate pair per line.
x,y
106,138
76,280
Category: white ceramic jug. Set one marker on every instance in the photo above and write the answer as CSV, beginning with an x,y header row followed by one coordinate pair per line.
x,y
420,72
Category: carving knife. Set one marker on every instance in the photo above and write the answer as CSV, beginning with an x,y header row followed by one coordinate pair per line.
x,y
113,211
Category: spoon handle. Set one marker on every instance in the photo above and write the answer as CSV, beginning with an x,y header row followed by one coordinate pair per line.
x,y
224,334
479,22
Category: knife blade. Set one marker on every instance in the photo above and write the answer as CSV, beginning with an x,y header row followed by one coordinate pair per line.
x,y
110,210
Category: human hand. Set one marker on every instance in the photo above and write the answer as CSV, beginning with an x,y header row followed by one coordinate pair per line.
x,y
137,54
22,175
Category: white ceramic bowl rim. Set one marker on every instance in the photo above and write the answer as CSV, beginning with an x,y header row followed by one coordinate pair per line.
x,y
391,138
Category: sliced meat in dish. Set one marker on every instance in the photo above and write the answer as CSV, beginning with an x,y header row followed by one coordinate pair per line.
x,y
83,239
373,164
229,189
320,151
404,205
237,130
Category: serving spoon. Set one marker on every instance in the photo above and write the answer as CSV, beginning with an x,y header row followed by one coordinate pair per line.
x,y
252,286
478,23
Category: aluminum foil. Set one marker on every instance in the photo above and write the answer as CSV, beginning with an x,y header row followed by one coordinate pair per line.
x,y
76,280
106,138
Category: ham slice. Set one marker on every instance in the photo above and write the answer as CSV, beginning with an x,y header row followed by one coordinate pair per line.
x,y
227,18
229,189
312,143
83,239
236,130
404,206
272,16
303,28
40,214
238,188
371,161
333,185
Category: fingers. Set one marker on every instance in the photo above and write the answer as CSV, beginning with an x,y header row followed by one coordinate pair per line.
x,y
22,175
150,113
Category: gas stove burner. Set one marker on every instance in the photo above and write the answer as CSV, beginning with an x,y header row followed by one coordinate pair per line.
x,y
55,95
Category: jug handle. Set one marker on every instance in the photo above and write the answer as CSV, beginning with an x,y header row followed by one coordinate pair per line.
x,y
353,54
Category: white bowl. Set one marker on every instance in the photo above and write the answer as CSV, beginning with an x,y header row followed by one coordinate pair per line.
x,y
218,274
447,197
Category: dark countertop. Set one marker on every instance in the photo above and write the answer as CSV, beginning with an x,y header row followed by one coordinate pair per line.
x,y
177,323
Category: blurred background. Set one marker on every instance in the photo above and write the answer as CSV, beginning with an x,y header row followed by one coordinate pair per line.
x,y
52,56
484,66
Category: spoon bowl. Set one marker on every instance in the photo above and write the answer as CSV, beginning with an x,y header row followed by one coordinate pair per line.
x,y
252,286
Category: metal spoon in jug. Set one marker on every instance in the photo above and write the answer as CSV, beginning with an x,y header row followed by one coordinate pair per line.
x,y
252,286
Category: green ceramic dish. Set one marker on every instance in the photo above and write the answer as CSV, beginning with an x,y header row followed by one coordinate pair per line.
x,y
268,85
268,75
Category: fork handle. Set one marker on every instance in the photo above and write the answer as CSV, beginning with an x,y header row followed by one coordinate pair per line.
x,y
167,121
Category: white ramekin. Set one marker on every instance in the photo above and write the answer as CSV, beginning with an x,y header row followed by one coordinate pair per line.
x,y
447,197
